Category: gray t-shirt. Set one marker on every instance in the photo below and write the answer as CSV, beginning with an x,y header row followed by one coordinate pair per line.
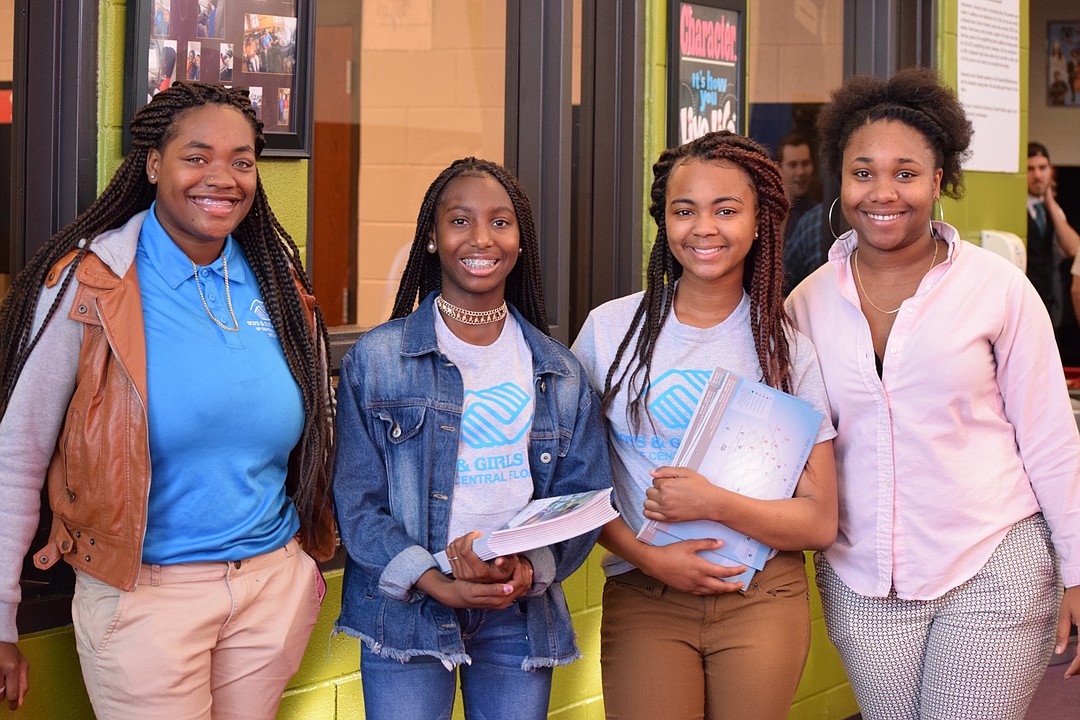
x,y
683,359
493,480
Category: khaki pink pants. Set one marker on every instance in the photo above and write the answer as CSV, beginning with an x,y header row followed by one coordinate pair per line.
x,y
198,640
672,655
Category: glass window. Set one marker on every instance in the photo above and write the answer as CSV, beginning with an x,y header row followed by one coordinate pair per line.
x,y
401,90
796,60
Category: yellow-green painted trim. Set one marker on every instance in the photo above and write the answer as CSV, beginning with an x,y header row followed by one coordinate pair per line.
x,y
994,201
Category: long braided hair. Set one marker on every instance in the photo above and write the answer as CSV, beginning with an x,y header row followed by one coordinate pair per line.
x,y
524,285
271,252
763,273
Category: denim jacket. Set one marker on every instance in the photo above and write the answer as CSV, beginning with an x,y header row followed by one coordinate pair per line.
x,y
399,406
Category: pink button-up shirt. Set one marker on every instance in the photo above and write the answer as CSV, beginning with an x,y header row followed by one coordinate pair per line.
x,y
968,430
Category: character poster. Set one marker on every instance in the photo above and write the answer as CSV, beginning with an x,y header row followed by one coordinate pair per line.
x,y
706,70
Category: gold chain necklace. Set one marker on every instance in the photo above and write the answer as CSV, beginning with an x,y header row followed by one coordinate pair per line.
x,y
470,317
858,277
228,295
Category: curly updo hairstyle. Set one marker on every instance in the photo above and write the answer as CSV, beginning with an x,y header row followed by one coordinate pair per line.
x,y
763,270
913,96
273,257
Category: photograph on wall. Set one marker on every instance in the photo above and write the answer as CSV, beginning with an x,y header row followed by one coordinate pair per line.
x,y
242,43
283,106
706,68
271,41
255,93
162,17
194,60
1063,64
210,22
225,63
162,66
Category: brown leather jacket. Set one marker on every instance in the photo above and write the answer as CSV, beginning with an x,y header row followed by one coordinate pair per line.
x,y
99,476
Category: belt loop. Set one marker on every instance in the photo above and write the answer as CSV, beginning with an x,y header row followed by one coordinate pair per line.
x,y
155,575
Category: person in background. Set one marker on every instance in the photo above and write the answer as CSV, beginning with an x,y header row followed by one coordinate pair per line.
x,y
1052,246
170,331
451,418
678,640
958,458
794,156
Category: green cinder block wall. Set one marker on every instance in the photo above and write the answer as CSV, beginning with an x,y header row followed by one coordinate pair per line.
x,y
328,683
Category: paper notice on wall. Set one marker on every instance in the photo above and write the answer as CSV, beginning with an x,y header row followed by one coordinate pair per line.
x,y
988,81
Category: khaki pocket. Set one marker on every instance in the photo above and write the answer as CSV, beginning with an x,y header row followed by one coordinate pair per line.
x,y
95,612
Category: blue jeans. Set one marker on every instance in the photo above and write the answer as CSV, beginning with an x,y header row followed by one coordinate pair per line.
x,y
493,687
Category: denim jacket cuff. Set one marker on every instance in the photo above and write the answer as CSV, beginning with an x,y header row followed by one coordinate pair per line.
x,y
400,574
543,565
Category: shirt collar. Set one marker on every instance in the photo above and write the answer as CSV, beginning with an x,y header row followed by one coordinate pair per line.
x,y
170,261
841,250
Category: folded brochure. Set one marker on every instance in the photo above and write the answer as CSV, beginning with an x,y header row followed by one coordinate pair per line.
x,y
543,522
749,438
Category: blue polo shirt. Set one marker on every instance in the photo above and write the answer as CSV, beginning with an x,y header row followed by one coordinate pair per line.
x,y
224,409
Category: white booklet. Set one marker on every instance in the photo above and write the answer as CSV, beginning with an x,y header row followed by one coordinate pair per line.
x,y
749,438
543,522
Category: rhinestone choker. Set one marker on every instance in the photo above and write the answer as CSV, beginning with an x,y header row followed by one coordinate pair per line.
x,y
470,317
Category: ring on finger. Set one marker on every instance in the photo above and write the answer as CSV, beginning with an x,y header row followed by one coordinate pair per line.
x,y
454,558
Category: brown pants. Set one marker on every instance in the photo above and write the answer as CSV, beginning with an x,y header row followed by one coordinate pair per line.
x,y
668,654
199,640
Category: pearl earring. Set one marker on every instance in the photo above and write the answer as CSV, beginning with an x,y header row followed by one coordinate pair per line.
x,y
431,248
153,177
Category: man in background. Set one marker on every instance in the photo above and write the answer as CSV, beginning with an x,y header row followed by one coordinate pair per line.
x,y
1051,249
797,171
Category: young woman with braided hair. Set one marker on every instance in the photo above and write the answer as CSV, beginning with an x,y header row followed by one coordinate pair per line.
x,y
170,331
958,459
677,639
451,418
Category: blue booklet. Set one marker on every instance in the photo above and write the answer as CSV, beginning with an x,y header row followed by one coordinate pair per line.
x,y
749,438
660,538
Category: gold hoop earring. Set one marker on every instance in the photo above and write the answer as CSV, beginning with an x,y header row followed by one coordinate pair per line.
x,y
941,217
831,207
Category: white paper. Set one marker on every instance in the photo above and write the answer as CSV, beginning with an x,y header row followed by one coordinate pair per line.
x,y
988,81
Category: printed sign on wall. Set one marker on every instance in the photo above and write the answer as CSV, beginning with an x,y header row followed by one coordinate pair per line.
x,y
706,69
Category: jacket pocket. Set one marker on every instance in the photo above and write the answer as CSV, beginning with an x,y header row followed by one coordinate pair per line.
x,y
399,426
400,423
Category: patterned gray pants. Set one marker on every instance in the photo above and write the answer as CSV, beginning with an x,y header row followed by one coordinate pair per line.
x,y
979,651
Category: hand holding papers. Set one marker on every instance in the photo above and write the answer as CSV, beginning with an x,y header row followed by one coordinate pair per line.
x,y
748,438
543,522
